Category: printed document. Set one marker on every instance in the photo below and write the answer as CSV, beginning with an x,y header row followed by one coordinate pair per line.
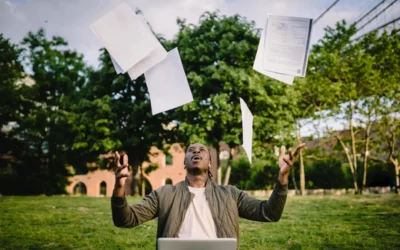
x,y
287,40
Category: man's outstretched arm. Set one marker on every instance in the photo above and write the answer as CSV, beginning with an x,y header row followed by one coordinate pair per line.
x,y
125,215
262,210
269,210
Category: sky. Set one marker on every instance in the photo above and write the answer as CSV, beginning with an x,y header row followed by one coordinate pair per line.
x,y
71,19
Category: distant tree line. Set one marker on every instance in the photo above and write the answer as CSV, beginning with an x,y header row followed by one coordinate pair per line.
x,y
56,111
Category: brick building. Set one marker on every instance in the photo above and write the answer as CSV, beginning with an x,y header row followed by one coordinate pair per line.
x,y
170,171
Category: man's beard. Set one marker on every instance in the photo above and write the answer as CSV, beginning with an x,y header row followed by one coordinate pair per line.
x,y
195,171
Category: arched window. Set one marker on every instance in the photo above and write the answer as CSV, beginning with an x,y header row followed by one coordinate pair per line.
x,y
168,160
103,188
168,181
80,188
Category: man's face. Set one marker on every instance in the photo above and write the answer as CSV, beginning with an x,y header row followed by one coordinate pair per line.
x,y
197,157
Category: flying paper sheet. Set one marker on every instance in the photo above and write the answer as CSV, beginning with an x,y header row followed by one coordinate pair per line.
x,y
148,62
247,125
258,64
145,64
167,84
125,37
286,44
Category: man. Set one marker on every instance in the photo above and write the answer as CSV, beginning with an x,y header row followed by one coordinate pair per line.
x,y
197,207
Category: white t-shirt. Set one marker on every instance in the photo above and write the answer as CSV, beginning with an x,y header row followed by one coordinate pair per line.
x,y
198,222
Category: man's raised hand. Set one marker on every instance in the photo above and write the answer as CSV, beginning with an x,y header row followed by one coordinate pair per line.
x,y
121,171
286,162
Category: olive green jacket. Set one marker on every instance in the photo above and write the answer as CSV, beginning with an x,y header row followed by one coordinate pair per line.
x,y
170,203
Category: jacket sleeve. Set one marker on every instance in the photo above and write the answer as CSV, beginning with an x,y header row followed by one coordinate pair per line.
x,y
125,215
262,210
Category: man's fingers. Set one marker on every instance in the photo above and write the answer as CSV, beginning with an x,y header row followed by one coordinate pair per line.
x,y
291,154
123,176
298,148
125,160
116,159
283,151
119,168
290,163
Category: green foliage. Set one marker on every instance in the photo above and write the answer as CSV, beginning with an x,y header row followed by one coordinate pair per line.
x,y
10,72
380,174
43,126
151,168
356,79
10,99
262,174
327,173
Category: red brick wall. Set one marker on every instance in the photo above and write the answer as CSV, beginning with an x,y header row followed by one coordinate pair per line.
x,y
157,178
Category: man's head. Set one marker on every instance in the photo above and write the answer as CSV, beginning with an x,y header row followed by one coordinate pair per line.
x,y
197,159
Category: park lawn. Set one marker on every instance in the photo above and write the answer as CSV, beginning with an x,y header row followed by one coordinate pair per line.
x,y
317,222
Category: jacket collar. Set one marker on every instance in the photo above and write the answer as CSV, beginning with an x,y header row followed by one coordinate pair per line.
x,y
209,185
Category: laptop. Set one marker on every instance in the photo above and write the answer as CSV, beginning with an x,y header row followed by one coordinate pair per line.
x,y
197,244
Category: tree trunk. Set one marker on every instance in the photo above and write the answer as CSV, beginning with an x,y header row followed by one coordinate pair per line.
x,y
397,170
354,156
302,174
353,173
228,170
396,166
227,175
142,181
366,153
219,170
294,182
393,157
364,184
354,150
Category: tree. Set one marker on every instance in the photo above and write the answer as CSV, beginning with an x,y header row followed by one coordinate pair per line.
x,y
218,55
319,95
42,119
11,72
355,83
387,147
392,135
334,59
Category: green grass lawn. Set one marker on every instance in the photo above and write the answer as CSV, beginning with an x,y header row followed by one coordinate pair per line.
x,y
325,222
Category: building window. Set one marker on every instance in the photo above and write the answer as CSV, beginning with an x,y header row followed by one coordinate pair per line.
x,y
103,188
168,160
80,188
168,181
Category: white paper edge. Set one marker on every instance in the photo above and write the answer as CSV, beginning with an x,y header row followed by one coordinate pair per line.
x,y
245,110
